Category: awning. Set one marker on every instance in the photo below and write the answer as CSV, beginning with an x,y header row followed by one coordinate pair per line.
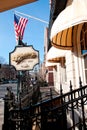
x,y
48,64
62,28
9,4
55,54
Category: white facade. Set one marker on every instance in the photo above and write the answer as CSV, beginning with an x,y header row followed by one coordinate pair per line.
x,y
75,64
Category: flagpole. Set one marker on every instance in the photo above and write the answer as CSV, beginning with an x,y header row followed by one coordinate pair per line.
x,y
32,17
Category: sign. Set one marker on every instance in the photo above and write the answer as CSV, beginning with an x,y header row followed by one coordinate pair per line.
x,y
24,58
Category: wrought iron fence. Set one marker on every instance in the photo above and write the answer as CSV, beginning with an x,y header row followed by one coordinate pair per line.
x,y
66,111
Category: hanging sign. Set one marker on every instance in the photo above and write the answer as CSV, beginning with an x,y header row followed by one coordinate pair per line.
x,y
24,58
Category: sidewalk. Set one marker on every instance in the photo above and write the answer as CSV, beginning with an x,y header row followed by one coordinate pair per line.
x,y
1,113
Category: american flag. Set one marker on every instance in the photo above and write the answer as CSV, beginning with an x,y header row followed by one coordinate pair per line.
x,y
19,26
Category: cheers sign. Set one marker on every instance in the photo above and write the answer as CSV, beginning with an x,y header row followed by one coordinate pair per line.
x,y
24,58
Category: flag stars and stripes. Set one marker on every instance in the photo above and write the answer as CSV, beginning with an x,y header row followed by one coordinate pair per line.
x,y
19,26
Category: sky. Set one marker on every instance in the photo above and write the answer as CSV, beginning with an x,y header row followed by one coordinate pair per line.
x,y
34,30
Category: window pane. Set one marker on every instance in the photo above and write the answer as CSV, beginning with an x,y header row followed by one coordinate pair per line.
x,y
86,75
85,61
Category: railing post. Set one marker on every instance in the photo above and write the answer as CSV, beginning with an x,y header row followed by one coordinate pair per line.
x,y
63,117
8,124
72,106
61,90
6,115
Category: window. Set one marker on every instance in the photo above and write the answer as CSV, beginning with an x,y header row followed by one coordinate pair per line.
x,y
85,68
83,39
83,44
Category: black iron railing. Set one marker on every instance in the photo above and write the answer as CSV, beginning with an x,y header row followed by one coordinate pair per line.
x,y
66,111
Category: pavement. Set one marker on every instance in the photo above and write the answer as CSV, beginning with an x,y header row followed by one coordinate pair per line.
x,y
3,89
1,113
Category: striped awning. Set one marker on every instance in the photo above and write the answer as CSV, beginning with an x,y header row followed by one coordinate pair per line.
x,y
49,64
9,4
62,28
55,54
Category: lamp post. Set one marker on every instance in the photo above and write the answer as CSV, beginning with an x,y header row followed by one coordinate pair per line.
x,y
19,85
